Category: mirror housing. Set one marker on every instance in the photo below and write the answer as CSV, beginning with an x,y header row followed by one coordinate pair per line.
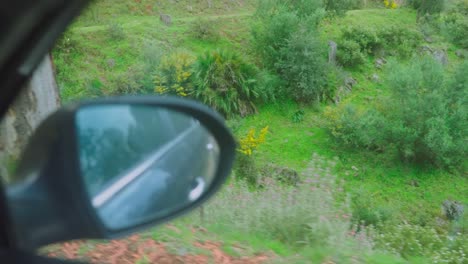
x,y
48,201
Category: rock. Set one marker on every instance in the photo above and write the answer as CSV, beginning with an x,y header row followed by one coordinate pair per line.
x,y
166,19
414,183
345,89
380,62
332,52
375,78
341,92
453,210
287,176
428,39
426,49
349,82
461,53
282,174
111,63
440,56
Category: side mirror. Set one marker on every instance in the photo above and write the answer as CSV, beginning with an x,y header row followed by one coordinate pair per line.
x,y
108,168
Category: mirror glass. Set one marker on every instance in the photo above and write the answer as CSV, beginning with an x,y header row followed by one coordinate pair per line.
x,y
143,163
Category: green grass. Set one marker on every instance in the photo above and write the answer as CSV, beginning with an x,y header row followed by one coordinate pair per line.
x,y
96,57
369,18
406,192
385,181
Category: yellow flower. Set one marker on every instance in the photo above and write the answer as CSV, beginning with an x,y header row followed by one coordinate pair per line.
x,y
250,142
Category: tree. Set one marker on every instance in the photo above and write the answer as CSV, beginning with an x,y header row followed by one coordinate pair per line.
x,y
39,98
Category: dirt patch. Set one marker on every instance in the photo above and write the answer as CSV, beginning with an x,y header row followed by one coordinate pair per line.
x,y
137,250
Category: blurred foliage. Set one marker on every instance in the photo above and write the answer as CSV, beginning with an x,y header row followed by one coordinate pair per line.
x,y
226,82
356,43
423,119
174,73
454,24
204,29
245,165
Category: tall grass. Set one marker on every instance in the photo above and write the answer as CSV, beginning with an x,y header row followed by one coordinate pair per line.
x,y
309,215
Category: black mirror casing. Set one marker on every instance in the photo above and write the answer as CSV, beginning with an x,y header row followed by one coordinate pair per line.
x,y
49,203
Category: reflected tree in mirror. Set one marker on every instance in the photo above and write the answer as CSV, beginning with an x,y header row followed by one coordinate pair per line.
x,y
142,163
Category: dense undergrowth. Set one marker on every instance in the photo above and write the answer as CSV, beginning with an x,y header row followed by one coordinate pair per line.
x,y
387,119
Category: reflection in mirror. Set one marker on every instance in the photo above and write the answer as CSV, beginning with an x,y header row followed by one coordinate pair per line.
x,y
143,163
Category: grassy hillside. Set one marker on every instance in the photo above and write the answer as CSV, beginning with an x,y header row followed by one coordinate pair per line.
x,y
114,48
115,40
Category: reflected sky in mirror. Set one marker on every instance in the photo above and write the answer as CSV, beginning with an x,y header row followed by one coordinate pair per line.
x,y
141,163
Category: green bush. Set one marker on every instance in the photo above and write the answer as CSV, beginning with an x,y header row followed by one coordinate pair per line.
x,y
127,82
357,42
269,87
246,169
367,38
341,6
173,74
358,128
454,24
423,119
204,29
150,58
411,241
349,54
431,7
226,82
281,34
304,68
402,41
271,34
365,212
115,31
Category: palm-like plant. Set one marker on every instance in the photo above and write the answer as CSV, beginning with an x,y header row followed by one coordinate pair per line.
x,y
226,82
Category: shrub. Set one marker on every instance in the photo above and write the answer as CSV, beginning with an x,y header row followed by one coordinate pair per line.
x,y
66,44
365,212
173,74
356,127
150,58
272,32
115,31
431,7
414,3
401,40
341,6
281,31
204,29
250,142
127,82
367,38
245,165
304,68
303,214
416,241
356,42
269,86
298,116
454,24
423,118
349,53
226,82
